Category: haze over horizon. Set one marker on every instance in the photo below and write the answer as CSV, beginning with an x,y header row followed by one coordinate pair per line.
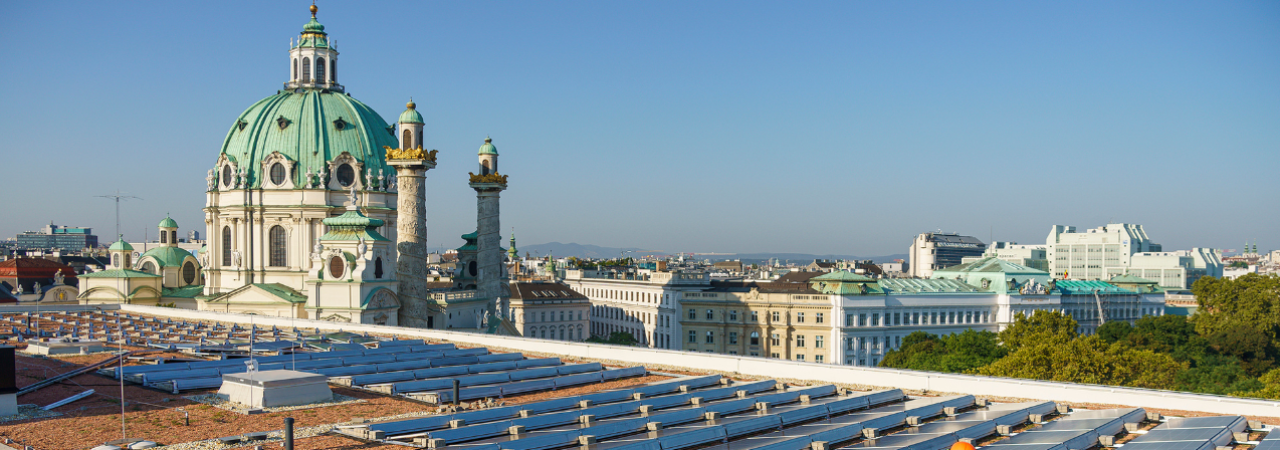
x,y
743,127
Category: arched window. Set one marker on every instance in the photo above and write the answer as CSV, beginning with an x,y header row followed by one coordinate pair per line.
x,y
148,267
226,246
306,70
173,236
377,267
164,237
115,260
277,246
294,75
407,142
320,66
484,167
189,272
333,70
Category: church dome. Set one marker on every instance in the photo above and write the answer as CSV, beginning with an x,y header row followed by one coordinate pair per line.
x,y
168,223
167,256
309,127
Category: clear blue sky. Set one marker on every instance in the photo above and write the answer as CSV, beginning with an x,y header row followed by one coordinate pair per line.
x,y
821,127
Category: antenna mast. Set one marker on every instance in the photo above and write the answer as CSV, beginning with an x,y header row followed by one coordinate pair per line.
x,y
118,196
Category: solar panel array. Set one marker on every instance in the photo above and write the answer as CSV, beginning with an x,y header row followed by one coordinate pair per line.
x,y
713,412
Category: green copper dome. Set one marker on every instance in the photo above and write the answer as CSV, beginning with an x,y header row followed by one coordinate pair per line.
x,y
168,223
313,26
168,256
121,245
309,127
488,148
410,115
352,226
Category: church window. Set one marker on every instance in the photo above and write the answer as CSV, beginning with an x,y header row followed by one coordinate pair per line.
x,y
407,142
173,236
164,237
115,260
471,268
333,70
484,168
226,246
189,272
294,75
337,266
320,70
346,175
306,70
377,267
128,261
148,267
277,174
226,176
277,246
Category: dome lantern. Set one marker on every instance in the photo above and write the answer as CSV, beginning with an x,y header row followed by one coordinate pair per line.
x,y
313,59
168,232
488,157
410,125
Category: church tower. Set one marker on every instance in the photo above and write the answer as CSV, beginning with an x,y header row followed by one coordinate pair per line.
x,y
168,232
121,254
314,58
489,185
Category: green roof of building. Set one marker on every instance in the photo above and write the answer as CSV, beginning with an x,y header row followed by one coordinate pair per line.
x,y
121,245
925,286
1126,278
841,275
488,148
118,273
1081,287
309,127
993,264
352,226
410,115
168,223
283,292
168,256
183,292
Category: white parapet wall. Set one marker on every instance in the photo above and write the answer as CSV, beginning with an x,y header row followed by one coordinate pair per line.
x,y
774,368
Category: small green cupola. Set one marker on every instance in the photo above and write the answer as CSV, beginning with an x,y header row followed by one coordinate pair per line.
x,y
168,231
168,222
488,148
410,114
512,254
121,254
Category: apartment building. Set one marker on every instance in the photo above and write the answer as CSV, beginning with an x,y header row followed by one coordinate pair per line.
x,y
642,302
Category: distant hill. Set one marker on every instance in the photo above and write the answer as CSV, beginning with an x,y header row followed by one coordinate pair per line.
x,y
596,251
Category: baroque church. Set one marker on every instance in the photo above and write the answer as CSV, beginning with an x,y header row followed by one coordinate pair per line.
x,y
316,208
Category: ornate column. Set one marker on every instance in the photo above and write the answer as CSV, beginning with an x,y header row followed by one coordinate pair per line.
x,y
411,233
489,241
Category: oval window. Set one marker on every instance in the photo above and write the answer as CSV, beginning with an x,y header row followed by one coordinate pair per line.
x,y
189,272
346,175
471,267
277,174
337,266
226,176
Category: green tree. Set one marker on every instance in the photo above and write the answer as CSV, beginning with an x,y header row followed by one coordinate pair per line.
x,y
1251,301
1164,334
1087,360
1252,350
956,353
1115,331
1042,326
1269,387
1218,375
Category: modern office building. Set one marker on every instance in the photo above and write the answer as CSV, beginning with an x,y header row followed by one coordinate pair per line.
x,y
1119,249
932,250
54,236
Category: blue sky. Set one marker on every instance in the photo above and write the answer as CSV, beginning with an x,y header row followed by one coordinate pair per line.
x,y
820,127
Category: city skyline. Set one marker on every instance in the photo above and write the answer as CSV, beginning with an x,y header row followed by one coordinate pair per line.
x,y
821,128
